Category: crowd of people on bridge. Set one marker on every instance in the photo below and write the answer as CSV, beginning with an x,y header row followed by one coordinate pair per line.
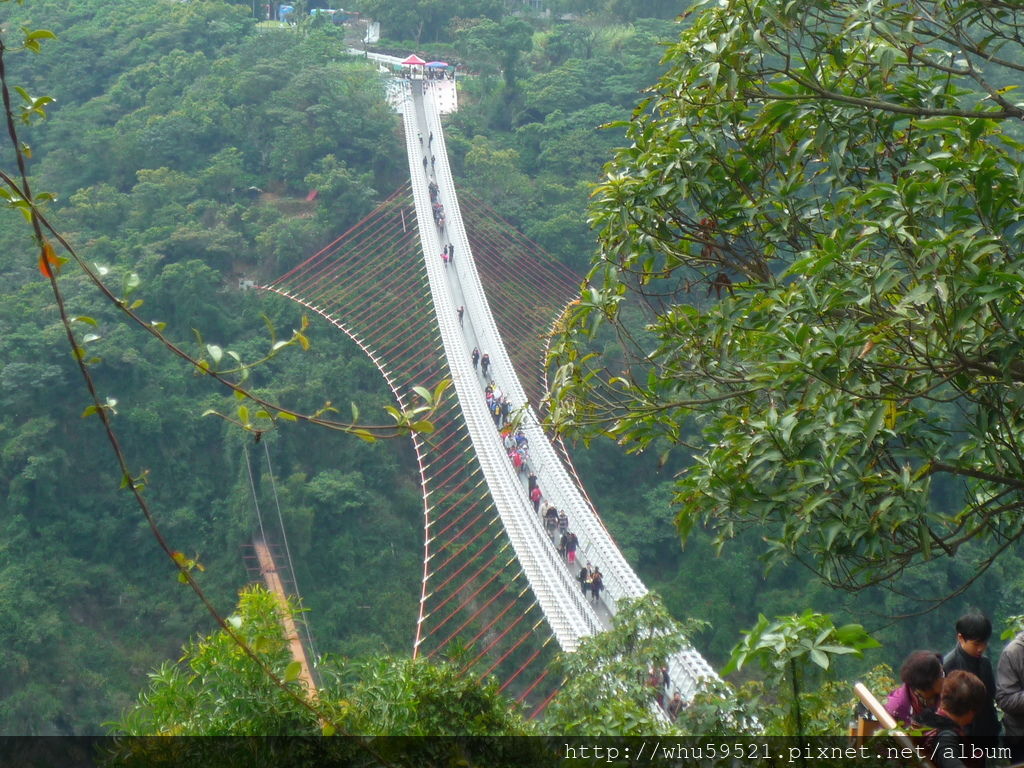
x,y
555,521
421,72
435,201
517,446
515,442
950,703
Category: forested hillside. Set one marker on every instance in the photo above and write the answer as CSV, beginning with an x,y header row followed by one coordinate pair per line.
x,y
166,114
181,148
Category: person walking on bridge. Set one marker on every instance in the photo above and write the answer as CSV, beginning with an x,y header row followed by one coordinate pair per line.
x,y
475,357
596,585
571,542
485,363
584,578
551,520
676,706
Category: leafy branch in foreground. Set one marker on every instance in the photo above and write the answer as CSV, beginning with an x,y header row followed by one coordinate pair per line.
x,y
790,649
607,689
18,195
210,354
810,262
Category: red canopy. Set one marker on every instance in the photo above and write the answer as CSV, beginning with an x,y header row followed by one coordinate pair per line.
x,y
413,60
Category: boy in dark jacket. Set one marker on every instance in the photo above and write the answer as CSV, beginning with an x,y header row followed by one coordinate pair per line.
x,y
973,631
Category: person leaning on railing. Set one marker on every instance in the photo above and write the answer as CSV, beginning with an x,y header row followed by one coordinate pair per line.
x,y
922,677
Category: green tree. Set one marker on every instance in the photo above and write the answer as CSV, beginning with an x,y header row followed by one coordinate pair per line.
x,y
565,88
494,46
631,10
425,20
620,10
494,170
568,41
216,689
148,177
819,214
413,697
606,688
343,197
790,649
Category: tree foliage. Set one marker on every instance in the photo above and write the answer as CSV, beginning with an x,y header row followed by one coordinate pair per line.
x,y
216,690
152,183
425,21
180,148
619,10
606,688
791,649
819,215
494,46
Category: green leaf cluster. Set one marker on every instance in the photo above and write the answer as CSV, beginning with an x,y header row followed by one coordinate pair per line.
x,y
214,689
790,648
817,216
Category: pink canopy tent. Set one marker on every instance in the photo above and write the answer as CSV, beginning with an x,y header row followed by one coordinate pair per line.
x,y
413,61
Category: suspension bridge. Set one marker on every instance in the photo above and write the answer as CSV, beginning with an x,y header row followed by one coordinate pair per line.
x,y
497,597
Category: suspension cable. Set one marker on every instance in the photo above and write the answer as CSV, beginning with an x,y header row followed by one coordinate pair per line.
x,y
288,555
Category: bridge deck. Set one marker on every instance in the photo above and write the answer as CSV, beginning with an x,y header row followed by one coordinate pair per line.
x,y
460,285
568,612
399,302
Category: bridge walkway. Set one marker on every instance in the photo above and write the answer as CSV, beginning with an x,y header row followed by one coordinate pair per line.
x,y
462,287
569,614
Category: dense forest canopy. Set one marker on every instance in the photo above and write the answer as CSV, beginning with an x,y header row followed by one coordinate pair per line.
x,y
151,172
181,146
